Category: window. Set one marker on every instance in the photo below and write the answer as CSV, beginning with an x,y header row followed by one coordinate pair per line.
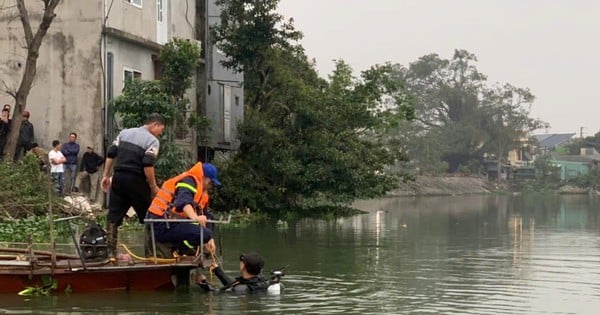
x,y
137,3
130,74
159,9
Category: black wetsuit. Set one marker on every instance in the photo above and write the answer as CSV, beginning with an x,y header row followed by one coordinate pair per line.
x,y
241,285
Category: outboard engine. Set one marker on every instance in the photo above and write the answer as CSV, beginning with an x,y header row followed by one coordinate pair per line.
x,y
93,242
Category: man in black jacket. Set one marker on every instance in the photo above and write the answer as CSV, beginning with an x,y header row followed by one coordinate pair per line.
x,y
4,129
90,162
26,136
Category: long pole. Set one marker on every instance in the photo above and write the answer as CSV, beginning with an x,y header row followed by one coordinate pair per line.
x,y
51,219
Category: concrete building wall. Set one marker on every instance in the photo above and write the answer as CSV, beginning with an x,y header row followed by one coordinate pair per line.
x,y
129,56
181,18
138,21
224,92
67,92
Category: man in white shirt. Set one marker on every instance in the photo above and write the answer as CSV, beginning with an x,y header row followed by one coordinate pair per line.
x,y
57,171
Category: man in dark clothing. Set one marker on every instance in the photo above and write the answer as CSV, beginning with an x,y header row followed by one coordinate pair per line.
x,y
4,129
90,162
250,280
26,136
134,153
71,150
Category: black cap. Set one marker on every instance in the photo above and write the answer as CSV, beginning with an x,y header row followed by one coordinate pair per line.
x,y
254,262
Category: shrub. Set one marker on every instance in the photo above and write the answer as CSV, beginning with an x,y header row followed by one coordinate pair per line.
x,y
25,189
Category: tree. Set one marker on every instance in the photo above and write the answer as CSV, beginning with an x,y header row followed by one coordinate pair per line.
x,y
305,141
454,101
166,96
33,43
507,121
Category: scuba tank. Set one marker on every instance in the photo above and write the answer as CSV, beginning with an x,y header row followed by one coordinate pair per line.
x,y
275,285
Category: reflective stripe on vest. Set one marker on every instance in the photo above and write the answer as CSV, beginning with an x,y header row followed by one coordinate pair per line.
x,y
188,186
162,204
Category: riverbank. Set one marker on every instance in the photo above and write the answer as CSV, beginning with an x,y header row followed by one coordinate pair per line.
x,y
446,186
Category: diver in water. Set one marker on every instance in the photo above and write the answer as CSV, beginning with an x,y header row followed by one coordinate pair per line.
x,y
250,280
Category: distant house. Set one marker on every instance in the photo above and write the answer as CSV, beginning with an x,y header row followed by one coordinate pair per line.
x,y
572,166
549,142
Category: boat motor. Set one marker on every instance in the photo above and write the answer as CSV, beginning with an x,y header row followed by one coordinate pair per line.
x,y
93,242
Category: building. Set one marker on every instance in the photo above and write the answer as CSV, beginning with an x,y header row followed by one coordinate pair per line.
x,y
94,46
573,166
550,142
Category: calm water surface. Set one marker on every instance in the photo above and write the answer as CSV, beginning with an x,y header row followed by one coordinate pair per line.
x,y
436,255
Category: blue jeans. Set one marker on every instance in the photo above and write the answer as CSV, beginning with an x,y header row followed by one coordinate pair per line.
x,y
59,182
71,174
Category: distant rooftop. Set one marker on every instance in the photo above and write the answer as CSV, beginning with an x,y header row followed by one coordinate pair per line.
x,y
552,140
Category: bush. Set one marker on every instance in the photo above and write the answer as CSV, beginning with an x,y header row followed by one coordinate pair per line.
x,y
24,190
36,227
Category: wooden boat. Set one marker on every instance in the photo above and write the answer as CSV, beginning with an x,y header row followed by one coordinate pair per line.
x,y
22,269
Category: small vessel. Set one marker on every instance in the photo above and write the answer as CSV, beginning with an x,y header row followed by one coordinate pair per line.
x,y
27,270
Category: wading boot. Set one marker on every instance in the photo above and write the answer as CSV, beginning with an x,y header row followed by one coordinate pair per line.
x,y
112,233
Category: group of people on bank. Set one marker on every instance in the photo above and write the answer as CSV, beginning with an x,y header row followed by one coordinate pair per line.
x,y
25,141
131,159
62,161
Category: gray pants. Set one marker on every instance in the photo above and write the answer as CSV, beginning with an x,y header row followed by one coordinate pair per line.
x,y
94,178
59,182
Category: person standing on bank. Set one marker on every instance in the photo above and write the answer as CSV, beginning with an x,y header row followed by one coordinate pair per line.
x,y
4,129
57,160
71,150
26,136
134,153
90,162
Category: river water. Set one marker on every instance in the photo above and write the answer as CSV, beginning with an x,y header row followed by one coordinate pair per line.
x,y
434,255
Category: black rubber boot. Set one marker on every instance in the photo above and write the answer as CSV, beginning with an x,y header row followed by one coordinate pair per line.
x,y
112,236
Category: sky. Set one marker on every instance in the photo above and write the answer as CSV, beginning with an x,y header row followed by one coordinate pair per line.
x,y
551,47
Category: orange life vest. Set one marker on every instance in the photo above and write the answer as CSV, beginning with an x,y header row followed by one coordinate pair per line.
x,y
162,204
204,201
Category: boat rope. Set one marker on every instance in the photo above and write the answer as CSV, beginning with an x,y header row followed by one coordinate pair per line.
x,y
150,259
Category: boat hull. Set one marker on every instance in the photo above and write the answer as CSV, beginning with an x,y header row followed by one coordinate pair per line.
x,y
139,277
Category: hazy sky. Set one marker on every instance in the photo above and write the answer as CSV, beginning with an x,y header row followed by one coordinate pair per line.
x,y
549,46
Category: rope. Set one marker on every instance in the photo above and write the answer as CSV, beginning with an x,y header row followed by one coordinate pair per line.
x,y
150,259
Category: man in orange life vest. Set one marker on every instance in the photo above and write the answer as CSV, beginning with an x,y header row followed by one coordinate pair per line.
x,y
184,196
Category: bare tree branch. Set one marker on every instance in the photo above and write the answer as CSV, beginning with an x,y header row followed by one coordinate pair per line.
x,y
10,91
7,7
25,21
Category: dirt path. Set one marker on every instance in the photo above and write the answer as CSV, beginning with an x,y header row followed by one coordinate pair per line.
x,y
426,185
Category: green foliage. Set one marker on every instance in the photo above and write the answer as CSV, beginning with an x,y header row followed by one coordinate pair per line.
x,y
547,177
25,190
49,284
173,160
140,98
467,116
36,227
304,140
180,58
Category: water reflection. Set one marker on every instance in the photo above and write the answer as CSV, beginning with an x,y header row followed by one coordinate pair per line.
x,y
442,255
